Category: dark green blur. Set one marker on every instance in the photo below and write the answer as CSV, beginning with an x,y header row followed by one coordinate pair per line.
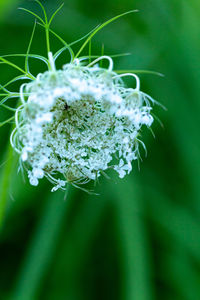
x,y
140,238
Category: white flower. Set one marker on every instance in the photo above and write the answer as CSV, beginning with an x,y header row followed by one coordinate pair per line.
x,y
77,122
44,117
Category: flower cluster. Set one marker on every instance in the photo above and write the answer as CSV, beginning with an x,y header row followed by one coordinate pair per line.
x,y
77,122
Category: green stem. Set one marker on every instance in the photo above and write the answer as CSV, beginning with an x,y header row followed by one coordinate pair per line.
x,y
48,44
47,38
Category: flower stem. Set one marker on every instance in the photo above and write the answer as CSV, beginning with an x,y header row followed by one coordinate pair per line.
x,y
48,44
47,38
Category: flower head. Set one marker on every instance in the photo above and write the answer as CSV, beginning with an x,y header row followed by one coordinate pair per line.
x,y
74,123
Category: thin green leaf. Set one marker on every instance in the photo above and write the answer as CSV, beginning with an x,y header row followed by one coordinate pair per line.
x,y
9,97
5,94
5,61
62,41
52,17
4,99
46,26
139,72
15,67
119,55
59,52
4,89
157,119
101,27
32,13
29,47
13,80
83,37
7,121
96,56
8,107
44,11
37,56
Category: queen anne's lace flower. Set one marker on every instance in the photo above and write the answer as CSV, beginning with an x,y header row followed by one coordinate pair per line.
x,y
77,122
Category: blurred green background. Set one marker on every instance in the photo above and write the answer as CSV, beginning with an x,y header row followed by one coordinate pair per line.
x,y
140,239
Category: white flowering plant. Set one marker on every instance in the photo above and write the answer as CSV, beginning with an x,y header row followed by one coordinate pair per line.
x,y
73,124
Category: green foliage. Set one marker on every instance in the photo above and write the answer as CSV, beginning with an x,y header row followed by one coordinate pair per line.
x,y
140,239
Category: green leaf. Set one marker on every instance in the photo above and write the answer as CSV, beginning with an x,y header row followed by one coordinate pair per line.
x,y
12,95
52,17
14,80
101,27
67,47
32,13
16,67
36,56
139,71
28,49
7,121
8,107
44,11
